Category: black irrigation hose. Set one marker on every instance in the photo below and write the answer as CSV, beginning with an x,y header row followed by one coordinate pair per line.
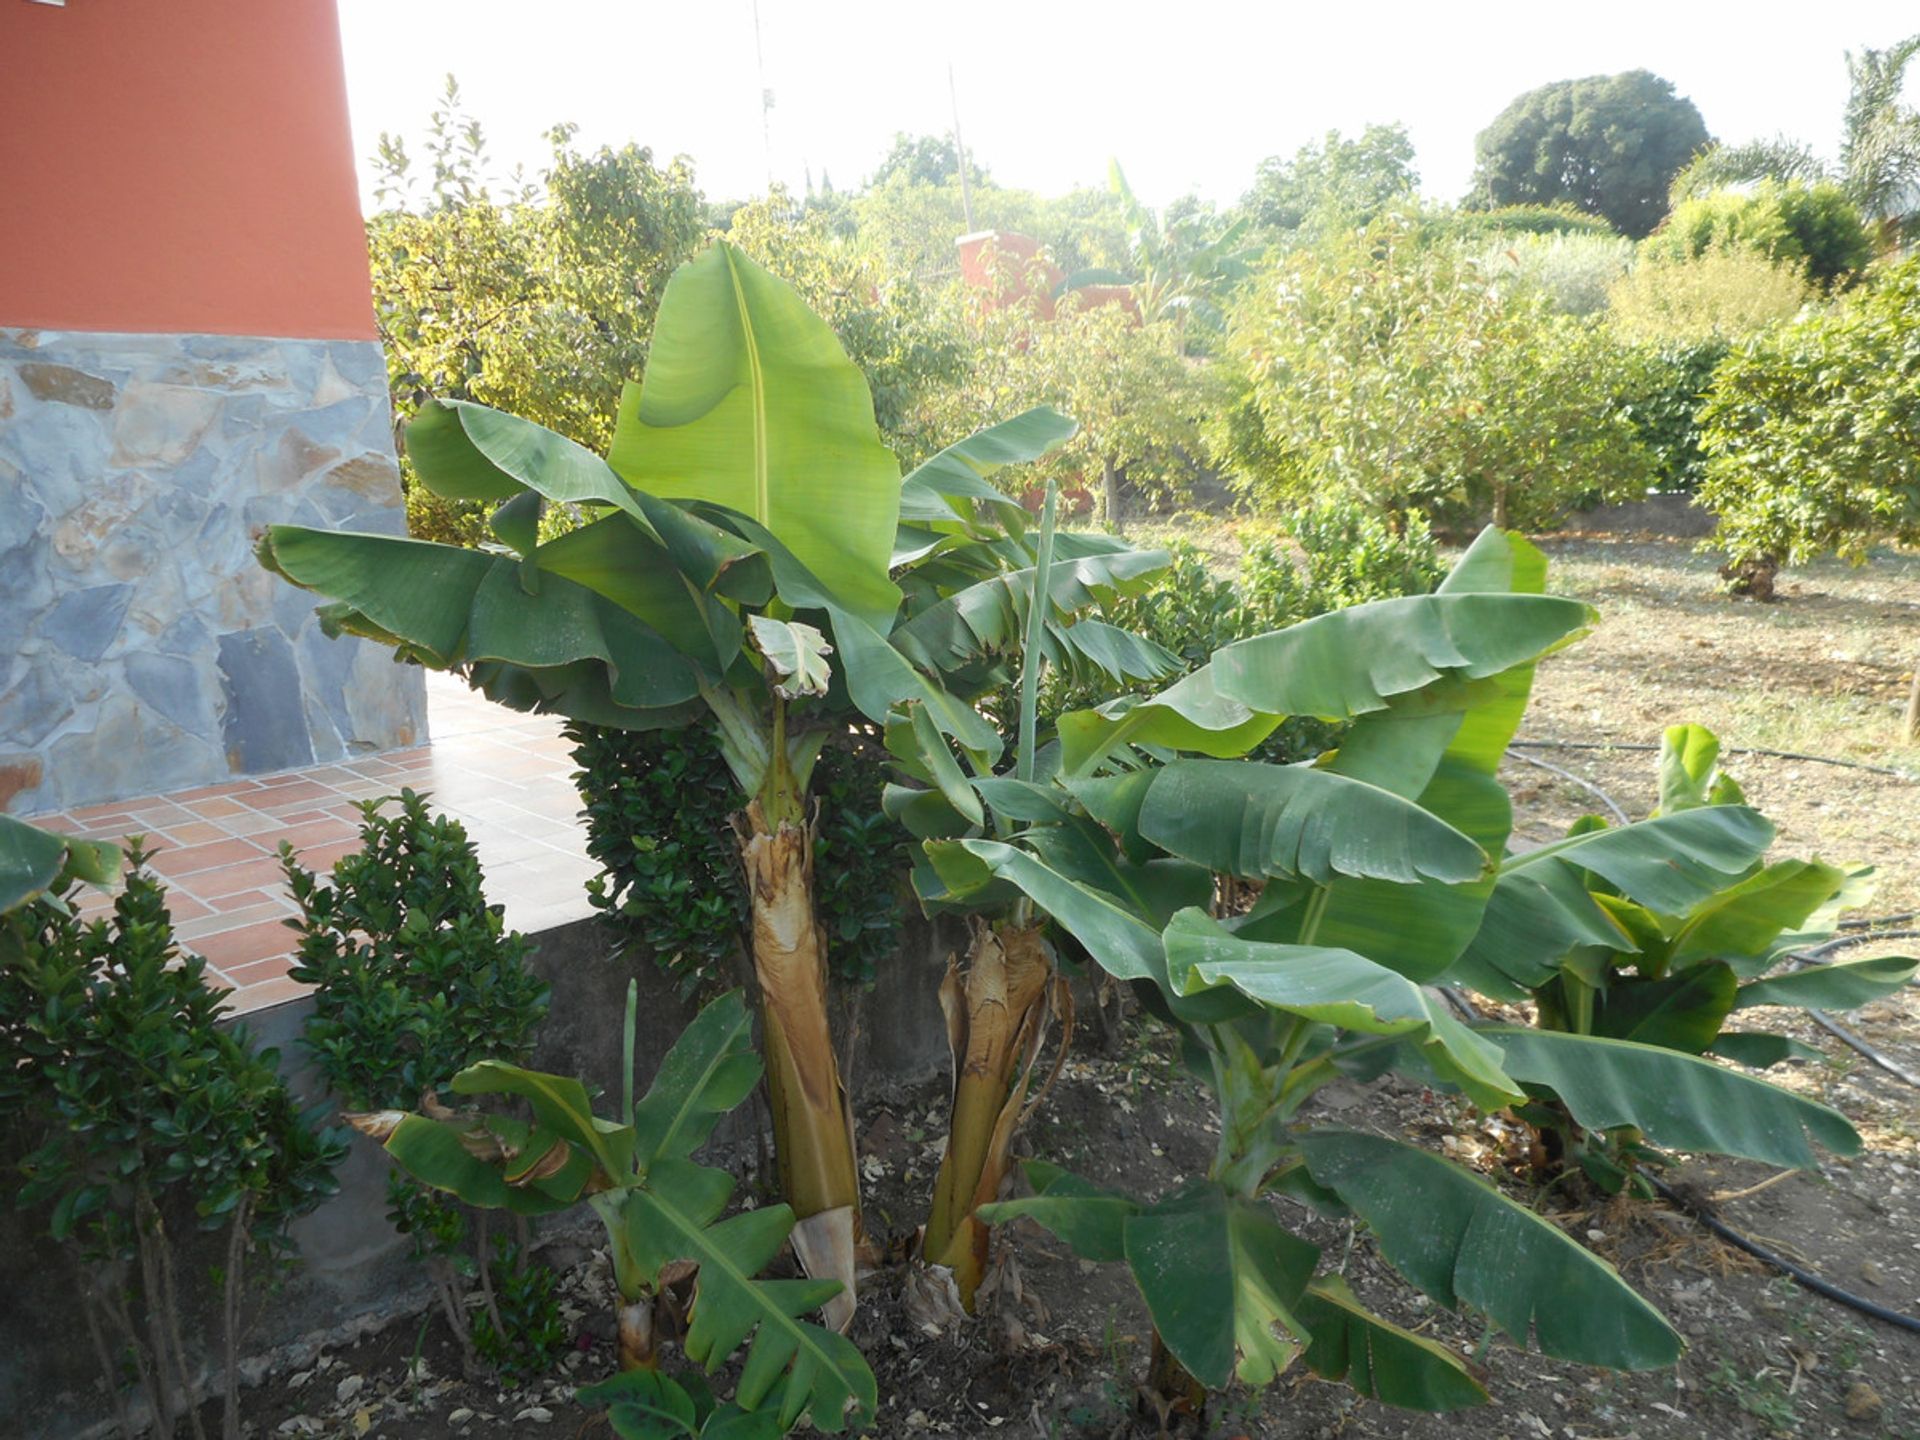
x,y
1585,784
1827,1023
1760,1252
1896,773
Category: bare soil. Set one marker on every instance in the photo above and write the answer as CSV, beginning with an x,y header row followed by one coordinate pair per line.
x,y
1064,1344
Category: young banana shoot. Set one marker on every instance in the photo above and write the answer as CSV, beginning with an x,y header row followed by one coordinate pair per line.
x,y
999,1007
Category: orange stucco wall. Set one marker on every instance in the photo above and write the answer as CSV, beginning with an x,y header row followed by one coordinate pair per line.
x,y
179,166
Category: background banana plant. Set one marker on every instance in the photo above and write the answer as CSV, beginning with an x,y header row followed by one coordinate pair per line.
x,y
731,568
1654,934
1003,998
1375,868
661,1211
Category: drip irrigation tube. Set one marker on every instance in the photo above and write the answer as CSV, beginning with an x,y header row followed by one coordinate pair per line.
x,y
1894,771
1585,784
1760,1252
1810,956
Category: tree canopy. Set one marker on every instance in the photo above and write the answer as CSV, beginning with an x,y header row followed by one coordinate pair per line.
x,y
1609,144
1335,179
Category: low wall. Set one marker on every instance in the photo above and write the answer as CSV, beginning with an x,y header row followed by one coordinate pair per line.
x,y
352,1267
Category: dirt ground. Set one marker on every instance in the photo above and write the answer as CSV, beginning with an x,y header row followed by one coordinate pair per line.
x,y
1823,671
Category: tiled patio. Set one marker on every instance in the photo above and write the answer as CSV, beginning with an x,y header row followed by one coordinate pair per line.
x,y
505,775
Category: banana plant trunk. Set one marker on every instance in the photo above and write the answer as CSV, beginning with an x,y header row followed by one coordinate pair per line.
x,y
999,1008
812,1122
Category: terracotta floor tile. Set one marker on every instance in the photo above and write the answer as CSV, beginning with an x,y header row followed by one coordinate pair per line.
x,y
195,931
188,859
241,901
251,822
261,874
91,814
318,830
196,832
279,799
215,792
253,998
245,944
215,807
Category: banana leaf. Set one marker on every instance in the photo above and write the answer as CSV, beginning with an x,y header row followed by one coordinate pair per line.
x,y
1677,1100
1463,1243
749,402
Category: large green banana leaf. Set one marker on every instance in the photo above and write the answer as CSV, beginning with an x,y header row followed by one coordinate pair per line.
x,y
1684,1011
1259,821
33,861
1440,747
1337,987
958,473
1742,925
711,1067
1092,1221
1189,714
825,1377
1676,1100
1462,1242
987,618
1378,1358
1839,985
1354,661
749,402
1541,906
1220,1277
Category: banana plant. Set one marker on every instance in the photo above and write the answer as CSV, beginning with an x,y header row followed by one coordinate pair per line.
x,y
1653,934
1375,867
733,570
1003,999
661,1211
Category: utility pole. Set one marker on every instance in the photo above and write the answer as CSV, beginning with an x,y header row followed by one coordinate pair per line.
x,y
959,149
766,95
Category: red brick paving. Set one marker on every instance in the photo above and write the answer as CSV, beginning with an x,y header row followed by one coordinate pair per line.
x,y
506,776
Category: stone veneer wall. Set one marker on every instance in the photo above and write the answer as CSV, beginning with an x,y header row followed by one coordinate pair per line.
x,y
145,649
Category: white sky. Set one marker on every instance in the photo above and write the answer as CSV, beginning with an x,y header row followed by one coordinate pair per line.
x,y
1187,97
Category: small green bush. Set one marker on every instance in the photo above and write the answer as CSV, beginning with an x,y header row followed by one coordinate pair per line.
x,y
1815,229
1722,295
1666,388
129,1107
415,977
659,807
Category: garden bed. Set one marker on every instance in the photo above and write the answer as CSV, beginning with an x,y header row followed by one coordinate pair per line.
x,y
1065,1342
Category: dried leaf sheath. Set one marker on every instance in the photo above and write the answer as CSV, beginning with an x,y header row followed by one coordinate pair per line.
x,y
812,1124
999,1009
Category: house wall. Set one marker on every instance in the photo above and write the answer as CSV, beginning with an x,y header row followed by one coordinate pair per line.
x,y
187,354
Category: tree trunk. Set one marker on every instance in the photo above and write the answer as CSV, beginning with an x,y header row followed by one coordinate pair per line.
x,y
1110,494
999,1009
812,1122
1753,578
1910,727
1499,504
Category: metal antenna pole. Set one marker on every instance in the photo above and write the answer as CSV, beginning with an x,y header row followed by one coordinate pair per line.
x,y
766,95
960,150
